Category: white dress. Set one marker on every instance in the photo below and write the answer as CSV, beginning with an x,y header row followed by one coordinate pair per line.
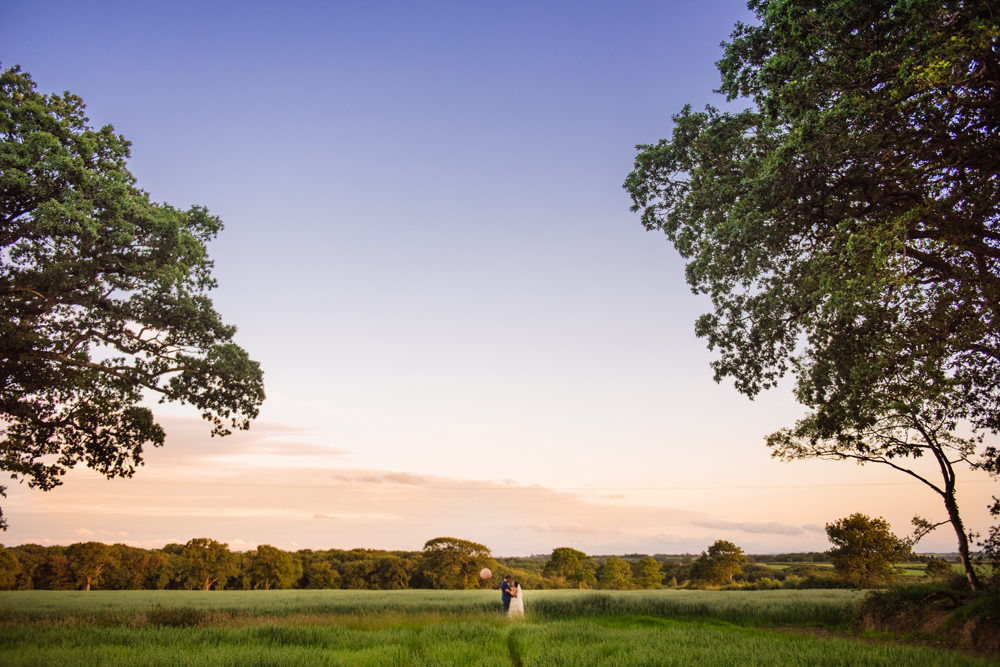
x,y
516,607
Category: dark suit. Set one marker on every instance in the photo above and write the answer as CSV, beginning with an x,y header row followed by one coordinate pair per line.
x,y
505,595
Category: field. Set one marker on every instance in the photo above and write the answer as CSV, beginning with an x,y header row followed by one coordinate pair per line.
x,y
415,628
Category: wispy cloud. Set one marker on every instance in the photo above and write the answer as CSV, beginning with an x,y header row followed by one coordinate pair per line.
x,y
571,528
200,487
769,528
341,516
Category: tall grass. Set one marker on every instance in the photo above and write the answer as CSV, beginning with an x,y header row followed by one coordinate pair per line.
x,y
424,628
180,608
748,608
605,642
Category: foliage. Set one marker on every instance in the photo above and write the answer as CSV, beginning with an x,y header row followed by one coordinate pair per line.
x,y
719,564
938,569
10,568
846,225
616,574
648,573
132,568
865,550
318,574
909,416
453,563
206,562
88,561
271,567
572,566
103,296
378,573
863,176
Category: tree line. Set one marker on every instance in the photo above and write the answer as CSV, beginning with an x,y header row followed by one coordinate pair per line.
x,y
206,564
865,554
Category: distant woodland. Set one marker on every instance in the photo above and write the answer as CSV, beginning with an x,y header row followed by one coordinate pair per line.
x,y
444,563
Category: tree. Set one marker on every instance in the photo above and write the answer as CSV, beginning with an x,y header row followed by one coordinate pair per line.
x,y
904,419
572,566
392,573
32,559
89,560
719,564
648,573
938,569
616,574
272,567
318,574
206,562
56,574
103,296
865,550
134,569
452,563
846,225
10,569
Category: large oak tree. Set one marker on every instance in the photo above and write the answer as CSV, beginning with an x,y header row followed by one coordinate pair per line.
x,y
846,224
103,297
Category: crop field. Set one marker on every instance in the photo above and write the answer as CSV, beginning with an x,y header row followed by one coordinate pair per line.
x,y
416,628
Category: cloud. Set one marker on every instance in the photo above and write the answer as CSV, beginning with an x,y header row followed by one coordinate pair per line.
x,y
770,528
108,533
573,528
189,444
340,516
322,507
84,532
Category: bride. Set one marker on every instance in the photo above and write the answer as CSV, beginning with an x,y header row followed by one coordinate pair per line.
x,y
516,608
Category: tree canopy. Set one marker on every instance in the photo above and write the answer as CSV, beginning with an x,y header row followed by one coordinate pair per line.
x,y
648,573
207,562
455,564
572,566
103,295
865,550
860,187
846,225
719,564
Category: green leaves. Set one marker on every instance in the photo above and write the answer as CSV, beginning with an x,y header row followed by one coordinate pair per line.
x,y
103,296
858,189
451,563
865,550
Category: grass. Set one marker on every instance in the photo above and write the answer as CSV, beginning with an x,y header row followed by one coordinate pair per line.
x,y
416,628
830,608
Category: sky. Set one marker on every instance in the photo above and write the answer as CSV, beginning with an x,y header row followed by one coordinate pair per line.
x,y
464,330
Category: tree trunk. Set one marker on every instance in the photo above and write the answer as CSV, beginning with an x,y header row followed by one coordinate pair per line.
x,y
963,540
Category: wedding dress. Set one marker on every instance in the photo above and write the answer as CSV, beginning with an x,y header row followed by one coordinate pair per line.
x,y
516,604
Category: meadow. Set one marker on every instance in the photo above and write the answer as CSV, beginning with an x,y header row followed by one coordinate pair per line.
x,y
415,628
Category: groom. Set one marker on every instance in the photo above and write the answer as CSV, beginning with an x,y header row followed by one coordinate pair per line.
x,y
505,593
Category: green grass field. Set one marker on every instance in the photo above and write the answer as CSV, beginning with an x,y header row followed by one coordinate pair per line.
x,y
414,628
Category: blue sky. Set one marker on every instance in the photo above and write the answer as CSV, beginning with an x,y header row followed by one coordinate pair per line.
x,y
428,248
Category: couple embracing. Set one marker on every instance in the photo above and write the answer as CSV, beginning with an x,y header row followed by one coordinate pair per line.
x,y
510,593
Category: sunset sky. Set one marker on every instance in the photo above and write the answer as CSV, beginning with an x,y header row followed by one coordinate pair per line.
x,y
464,330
